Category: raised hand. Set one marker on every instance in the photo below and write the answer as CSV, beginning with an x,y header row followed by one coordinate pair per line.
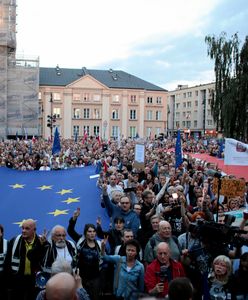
x,y
76,214
99,221
43,236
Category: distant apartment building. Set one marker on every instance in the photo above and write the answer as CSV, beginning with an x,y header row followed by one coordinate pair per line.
x,y
189,108
106,103
19,80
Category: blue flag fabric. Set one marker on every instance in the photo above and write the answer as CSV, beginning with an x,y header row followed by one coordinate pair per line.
x,y
155,169
98,167
50,198
56,142
178,150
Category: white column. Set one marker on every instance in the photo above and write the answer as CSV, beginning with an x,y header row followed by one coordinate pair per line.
x,y
67,116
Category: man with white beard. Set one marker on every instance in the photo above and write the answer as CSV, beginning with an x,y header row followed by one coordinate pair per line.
x,y
59,248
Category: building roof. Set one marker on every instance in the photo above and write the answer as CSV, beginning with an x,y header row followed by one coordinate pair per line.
x,y
110,78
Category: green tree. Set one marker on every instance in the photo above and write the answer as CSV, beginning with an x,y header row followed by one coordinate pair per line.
x,y
230,102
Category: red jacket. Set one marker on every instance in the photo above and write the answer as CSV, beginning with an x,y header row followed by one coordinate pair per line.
x,y
152,275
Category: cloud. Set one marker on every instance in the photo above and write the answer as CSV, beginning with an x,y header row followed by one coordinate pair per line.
x,y
163,64
200,78
93,32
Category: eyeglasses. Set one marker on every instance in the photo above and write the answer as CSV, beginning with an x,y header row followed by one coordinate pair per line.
x,y
60,235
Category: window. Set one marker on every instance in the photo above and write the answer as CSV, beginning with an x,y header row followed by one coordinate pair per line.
x,y
196,93
159,100
86,113
184,95
183,123
195,123
132,114
177,105
115,131
86,97
116,98
209,101
184,104
188,124
132,131
96,97
96,113
178,115
96,130
209,122
76,113
149,100
184,114
196,102
133,98
189,94
56,97
87,129
75,130
149,115
158,115
115,114
209,112
148,131
188,104
76,97
188,115
57,112
158,130
177,124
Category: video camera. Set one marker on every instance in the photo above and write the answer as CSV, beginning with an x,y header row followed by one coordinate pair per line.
x,y
163,274
217,234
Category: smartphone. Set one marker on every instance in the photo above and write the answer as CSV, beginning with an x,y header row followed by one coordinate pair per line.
x,y
174,195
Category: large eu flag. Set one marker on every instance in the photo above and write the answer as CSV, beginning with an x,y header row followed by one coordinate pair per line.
x,y
178,150
49,197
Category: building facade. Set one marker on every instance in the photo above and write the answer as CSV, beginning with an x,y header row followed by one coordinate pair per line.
x,y
189,108
106,103
19,80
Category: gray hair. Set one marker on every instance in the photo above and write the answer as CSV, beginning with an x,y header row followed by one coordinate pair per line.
x,y
61,265
57,227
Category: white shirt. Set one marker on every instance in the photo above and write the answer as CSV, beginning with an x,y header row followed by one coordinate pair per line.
x,y
63,253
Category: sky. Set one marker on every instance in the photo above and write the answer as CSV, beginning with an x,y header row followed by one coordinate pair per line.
x,y
160,41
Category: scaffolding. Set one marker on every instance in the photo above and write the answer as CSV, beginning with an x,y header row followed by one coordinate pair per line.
x,y
19,80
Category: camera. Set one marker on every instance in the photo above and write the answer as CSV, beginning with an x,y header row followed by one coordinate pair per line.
x,y
129,189
163,274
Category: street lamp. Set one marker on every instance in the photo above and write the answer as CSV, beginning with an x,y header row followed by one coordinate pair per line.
x,y
51,119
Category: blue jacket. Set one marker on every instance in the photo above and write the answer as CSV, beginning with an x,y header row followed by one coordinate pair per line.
x,y
131,283
132,220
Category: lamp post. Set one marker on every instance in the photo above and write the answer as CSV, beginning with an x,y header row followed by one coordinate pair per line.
x,y
51,119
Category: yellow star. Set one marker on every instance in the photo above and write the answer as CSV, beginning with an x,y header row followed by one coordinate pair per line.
x,y
62,192
71,200
20,223
58,212
45,187
17,186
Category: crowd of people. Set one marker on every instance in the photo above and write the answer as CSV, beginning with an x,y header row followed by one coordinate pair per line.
x,y
168,230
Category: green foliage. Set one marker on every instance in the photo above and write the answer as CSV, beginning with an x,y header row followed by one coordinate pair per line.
x,y
230,102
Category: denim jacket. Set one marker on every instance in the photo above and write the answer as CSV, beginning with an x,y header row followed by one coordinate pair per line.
x,y
130,283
